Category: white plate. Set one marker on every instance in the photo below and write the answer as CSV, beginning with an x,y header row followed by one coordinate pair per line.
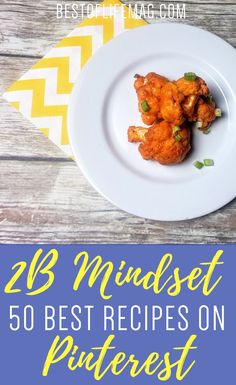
x,y
103,104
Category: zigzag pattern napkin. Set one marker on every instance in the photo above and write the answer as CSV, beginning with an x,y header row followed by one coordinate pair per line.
x,y
42,94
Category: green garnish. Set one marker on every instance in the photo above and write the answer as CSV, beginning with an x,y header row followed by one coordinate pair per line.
x,y
145,106
218,112
209,99
176,134
175,129
208,162
190,76
198,164
178,137
206,132
198,124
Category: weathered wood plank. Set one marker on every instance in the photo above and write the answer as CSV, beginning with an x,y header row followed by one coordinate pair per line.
x,y
52,202
36,28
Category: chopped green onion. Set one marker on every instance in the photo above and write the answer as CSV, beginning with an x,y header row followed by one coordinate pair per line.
x,y
198,164
198,124
218,112
191,76
209,99
176,134
208,162
145,106
178,137
206,132
175,129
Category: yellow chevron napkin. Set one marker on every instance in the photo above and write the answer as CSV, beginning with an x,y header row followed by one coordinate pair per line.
x,y
42,94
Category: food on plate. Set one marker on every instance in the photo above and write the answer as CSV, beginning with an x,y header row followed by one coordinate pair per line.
x,y
171,109
148,89
189,105
191,84
206,162
199,165
136,134
206,113
162,142
171,104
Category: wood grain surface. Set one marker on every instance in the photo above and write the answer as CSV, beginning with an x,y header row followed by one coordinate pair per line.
x,y
43,195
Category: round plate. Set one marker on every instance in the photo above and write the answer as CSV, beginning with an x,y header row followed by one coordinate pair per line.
x,y
103,104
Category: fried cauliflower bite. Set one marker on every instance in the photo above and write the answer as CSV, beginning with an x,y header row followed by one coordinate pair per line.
x,y
171,99
196,87
192,90
188,106
162,144
136,134
205,113
148,89
168,107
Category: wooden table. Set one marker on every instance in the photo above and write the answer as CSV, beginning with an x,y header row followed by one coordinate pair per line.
x,y
43,195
